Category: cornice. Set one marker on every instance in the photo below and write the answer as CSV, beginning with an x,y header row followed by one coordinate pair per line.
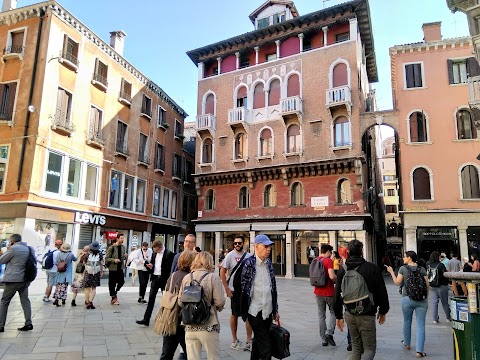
x,y
432,45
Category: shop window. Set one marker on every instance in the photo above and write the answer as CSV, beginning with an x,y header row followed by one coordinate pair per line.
x,y
269,196
296,194
173,206
341,130
115,193
73,179
140,197
207,151
128,189
293,139
54,173
421,184
465,125
156,200
165,202
209,200
3,166
418,127
266,142
240,144
91,183
470,182
244,198
344,192
413,76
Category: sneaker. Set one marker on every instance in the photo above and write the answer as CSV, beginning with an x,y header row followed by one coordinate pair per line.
x,y
46,299
237,345
349,347
324,342
248,346
449,320
436,321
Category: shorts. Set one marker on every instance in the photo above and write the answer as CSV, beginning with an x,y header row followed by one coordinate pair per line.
x,y
51,278
236,305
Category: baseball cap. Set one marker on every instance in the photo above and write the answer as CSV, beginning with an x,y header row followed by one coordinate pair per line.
x,y
262,239
443,255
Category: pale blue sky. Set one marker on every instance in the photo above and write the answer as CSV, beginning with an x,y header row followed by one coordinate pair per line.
x,y
159,33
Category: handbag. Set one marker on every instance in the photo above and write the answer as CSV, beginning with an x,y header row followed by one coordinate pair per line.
x,y
280,338
167,317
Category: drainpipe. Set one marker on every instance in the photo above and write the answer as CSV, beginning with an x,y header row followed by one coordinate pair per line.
x,y
30,97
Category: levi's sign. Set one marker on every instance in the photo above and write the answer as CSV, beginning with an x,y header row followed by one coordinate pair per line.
x,y
88,218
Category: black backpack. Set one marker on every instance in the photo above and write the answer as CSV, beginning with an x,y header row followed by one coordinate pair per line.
x,y
416,284
433,274
30,266
237,274
195,309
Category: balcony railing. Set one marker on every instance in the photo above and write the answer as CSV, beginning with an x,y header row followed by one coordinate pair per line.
x,y
238,115
13,49
144,159
292,105
95,137
65,55
61,122
205,122
100,80
338,96
125,98
122,149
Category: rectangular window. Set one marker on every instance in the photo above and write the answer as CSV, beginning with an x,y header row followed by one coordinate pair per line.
x,y
126,90
162,116
165,202
91,183
271,57
156,200
278,18
70,50
122,138
146,106
388,177
140,200
115,185
96,119
128,192
73,177
101,72
188,171
342,37
64,108
390,192
178,129
143,149
185,208
177,166
413,76
459,71
3,167
159,157
7,100
173,207
54,173
15,42
391,209
263,23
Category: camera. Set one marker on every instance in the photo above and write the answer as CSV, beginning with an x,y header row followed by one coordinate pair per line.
x,y
146,262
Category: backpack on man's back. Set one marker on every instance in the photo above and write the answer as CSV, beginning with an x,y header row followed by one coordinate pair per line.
x,y
357,298
30,266
47,261
318,275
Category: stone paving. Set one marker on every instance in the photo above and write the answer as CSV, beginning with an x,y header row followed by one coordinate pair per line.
x,y
110,331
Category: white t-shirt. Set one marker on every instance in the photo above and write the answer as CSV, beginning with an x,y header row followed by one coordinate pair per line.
x,y
230,261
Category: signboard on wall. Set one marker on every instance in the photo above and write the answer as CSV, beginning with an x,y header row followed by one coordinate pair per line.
x,y
319,201
89,218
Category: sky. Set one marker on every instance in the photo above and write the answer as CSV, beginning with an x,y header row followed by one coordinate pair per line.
x,y
160,32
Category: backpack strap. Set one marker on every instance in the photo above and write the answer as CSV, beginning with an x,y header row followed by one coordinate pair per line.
x,y
236,266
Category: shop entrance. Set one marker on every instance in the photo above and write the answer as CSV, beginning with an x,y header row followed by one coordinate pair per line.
x,y
277,254
441,239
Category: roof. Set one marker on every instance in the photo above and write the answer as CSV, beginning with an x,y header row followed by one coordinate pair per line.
x,y
359,9
268,3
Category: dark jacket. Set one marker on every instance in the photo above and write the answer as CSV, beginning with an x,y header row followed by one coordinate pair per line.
x,y
441,270
115,252
166,266
375,283
248,276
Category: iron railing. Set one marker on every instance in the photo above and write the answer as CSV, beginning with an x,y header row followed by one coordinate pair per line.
x,y
13,49
100,79
62,120
69,57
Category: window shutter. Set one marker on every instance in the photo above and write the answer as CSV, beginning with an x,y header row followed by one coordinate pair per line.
x,y
11,97
409,76
413,128
65,44
96,66
417,71
472,67
274,93
3,107
460,133
450,71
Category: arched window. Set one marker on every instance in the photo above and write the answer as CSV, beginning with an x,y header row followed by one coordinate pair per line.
x,y
293,86
242,97
244,198
421,184
258,96
293,139
341,129
418,127
340,75
269,196
344,192
274,93
465,126
266,144
240,146
296,194
470,182
209,200
210,104
207,151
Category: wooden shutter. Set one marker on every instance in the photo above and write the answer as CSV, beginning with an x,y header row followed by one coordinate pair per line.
x,y
472,67
421,184
17,38
119,134
274,93
413,127
417,71
242,93
12,91
258,97
293,87
409,76
450,71
340,75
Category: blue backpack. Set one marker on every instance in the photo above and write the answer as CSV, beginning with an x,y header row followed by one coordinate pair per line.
x,y
47,261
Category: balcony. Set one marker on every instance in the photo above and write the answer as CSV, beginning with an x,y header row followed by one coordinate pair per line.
x,y
462,5
61,123
6,117
69,60
95,138
122,150
100,82
144,160
339,96
205,123
238,117
159,165
291,106
125,98
13,52
146,112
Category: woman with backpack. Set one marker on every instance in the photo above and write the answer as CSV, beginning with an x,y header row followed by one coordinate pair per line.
x,y
414,299
438,286
93,272
206,335
64,273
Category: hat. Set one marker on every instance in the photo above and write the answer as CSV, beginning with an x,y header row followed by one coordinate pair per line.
x,y
262,239
66,248
95,246
443,255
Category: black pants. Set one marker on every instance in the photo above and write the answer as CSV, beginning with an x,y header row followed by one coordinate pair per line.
x,y
261,343
116,279
171,342
154,287
143,278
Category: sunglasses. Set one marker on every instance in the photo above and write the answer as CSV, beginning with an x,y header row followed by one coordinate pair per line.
x,y
237,243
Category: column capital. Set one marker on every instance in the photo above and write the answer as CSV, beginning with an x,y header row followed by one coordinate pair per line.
x,y
324,28
256,48
353,20
237,54
277,42
301,36
462,228
219,59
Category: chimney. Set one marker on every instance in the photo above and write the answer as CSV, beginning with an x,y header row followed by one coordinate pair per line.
x,y
9,5
432,31
117,41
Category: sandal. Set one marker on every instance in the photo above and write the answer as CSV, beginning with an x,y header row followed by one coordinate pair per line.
x,y
420,354
405,345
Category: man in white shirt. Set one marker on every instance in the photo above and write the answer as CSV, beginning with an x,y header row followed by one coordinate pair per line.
x,y
228,265
52,272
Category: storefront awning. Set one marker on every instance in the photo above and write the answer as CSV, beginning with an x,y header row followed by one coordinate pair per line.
x,y
326,225
222,227
269,226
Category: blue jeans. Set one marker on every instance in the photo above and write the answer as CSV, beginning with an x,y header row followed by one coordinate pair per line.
x,y
436,294
420,308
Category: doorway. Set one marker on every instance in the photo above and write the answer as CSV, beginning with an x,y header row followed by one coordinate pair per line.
x,y
447,246
277,254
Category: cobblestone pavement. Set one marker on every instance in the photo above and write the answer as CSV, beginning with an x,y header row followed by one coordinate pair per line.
x,y
110,331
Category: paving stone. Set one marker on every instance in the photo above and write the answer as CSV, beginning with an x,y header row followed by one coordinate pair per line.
x,y
95,350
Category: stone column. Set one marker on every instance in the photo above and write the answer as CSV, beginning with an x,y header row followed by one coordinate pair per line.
x,y
200,240
300,38
201,70
361,235
257,49
325,31
353,29
462,238
410,239
331,239
252,237
237,55
219,62
218,245
277,42
289,256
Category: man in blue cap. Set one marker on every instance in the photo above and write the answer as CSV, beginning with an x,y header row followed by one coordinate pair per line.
x,y
259,297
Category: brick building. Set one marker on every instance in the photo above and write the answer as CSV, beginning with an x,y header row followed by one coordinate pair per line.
x,y
89,146
279,143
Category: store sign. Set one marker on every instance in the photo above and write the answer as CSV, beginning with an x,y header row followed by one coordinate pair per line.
x,y
89,218
319,201
111,235
437,233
